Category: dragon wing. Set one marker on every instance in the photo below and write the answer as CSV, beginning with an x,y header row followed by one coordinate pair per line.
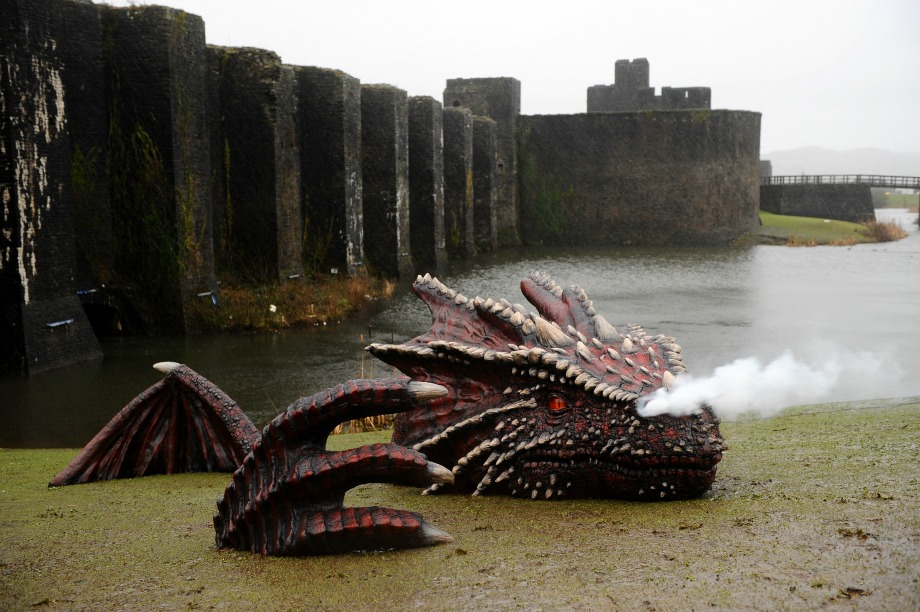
x,y
184,423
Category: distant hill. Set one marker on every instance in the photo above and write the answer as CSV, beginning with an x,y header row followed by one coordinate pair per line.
x,y
818,160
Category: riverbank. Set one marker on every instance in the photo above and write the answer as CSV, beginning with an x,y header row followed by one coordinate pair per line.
x,y
324,299
316,300
817,506
809,231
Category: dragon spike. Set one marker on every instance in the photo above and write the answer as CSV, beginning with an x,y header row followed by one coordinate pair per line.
x,y
569,306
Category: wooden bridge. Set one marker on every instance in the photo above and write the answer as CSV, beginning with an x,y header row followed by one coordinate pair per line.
x,y
873,180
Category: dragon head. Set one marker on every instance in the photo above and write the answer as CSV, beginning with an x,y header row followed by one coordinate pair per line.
x,y
543,404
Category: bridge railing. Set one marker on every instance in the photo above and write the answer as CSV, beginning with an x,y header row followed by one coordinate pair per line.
x,y
875,180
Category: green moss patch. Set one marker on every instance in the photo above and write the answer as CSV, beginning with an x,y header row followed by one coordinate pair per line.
x,y
819,505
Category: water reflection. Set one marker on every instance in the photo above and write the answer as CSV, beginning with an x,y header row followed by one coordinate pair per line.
x,y
720,303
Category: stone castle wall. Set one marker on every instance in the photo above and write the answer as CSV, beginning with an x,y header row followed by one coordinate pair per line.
x,y
839,202
652,178
147,163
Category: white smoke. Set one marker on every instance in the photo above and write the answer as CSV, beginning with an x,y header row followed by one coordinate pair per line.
x,y
746,385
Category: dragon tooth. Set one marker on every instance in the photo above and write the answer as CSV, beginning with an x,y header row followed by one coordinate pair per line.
x,y
549,493
563,364
627,346
668,380
528,326
460,299
542,374
535,355
533,494
573,371
590,383
599,389
488,304
506,313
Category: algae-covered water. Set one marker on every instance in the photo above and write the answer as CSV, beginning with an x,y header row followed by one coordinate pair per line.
x,y
817,507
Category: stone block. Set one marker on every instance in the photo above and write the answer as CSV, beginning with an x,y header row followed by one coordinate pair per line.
x,y
42,324
426,183
385,179
484,184
458,182
258,215
330,120
159,160
500,99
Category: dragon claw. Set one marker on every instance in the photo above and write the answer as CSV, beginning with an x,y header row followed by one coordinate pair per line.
x,y
287,498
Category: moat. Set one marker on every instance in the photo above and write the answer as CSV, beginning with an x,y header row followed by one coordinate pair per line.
x,y
720,304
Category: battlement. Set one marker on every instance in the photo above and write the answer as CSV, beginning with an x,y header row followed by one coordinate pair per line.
x,y
631,92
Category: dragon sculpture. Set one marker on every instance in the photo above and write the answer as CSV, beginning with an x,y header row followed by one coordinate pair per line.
x,y
535,404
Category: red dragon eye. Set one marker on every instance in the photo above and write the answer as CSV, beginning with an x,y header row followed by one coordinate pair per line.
x,y
556,403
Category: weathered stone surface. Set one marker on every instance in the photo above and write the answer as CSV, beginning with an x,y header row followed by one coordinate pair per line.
x,y
426,183
258,210
385,177
88,124
330,120
840,202
159,159
485,224
500,99
458,182
41,322
654,177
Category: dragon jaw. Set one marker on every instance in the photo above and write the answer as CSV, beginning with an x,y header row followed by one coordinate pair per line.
x,y
544,404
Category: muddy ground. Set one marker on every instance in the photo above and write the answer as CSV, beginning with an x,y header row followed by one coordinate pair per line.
x,y
818,507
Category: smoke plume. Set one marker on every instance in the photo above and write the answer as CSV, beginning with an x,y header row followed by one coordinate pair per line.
x,y
747,385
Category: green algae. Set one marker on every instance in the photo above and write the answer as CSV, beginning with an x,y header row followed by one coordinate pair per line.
x,y
817,506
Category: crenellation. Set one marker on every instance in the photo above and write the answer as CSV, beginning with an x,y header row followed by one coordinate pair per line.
x,y
631,92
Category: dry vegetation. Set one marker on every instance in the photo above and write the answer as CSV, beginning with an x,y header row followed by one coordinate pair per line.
x,y
884,232
304,301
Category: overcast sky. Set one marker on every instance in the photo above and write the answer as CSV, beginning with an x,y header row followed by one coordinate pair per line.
x,y
841,74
